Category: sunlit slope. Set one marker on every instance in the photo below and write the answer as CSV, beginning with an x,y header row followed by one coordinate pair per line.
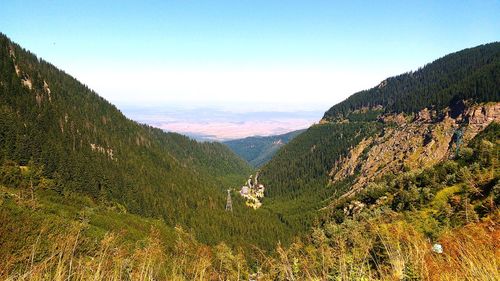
x,y
410,121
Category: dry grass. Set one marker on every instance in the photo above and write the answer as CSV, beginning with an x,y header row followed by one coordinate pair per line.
x,y
356,250
390,251
110,261
471,253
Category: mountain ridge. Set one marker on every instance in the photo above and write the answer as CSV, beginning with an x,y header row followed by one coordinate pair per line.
x,y
258,150
471,73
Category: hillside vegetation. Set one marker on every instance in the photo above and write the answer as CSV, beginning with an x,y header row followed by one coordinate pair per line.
x,y
259,150
453,204
395,126
80,143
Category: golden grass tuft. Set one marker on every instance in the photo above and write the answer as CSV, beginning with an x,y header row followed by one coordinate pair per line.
x,y
374,249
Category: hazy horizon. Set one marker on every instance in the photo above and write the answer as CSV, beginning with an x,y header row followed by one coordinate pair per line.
x,y
218,123
267,56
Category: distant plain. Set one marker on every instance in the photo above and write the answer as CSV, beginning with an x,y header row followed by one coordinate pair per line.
x,y
220,124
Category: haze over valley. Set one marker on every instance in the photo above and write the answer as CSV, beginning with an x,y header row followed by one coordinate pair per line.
x,y
220,123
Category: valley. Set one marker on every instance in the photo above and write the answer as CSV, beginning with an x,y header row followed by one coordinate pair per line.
x,y
364,194
259,150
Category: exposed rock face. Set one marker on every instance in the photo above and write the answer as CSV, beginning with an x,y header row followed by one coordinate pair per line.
x,y
27,81
398,119
354,208
421,143
480,117
425,115
103,150
346,167
46,89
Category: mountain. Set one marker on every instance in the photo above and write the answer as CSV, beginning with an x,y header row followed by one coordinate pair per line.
x,y
84,146
470,74
259,150
399,182
411,121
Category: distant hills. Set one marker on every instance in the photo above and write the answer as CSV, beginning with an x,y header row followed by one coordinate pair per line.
x,y
259,150
224,121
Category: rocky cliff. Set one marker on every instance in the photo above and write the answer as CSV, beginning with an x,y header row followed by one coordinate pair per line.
x,y
413,142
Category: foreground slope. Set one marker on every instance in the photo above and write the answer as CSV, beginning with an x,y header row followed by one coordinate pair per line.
x,y
259,150
411,121
82,144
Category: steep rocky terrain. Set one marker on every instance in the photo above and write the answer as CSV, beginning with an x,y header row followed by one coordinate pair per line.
x,y
397,171
408,122
412,142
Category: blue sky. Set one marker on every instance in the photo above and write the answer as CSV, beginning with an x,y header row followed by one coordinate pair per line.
x,y
260,55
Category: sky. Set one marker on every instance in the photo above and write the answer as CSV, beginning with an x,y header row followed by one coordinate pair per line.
x,y
240,56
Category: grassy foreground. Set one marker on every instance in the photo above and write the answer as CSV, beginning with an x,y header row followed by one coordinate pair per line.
x,y
372,249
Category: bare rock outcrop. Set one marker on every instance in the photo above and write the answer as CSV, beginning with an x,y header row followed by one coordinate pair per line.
x,y
354,208
27,81
421,143
480,117
346,167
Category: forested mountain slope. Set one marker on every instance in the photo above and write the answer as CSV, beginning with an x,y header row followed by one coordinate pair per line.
x,y
408,122
470,74
259,150
83,144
